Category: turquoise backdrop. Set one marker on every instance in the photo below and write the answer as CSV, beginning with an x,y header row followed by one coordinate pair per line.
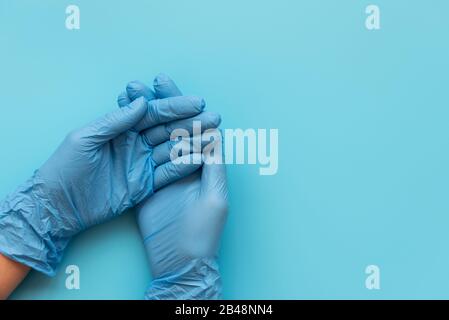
x,y
363,119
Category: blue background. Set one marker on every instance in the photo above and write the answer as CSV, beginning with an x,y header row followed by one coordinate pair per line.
x,y
362,117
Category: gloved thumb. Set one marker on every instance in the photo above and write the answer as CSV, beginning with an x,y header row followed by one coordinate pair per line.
x,y
117,122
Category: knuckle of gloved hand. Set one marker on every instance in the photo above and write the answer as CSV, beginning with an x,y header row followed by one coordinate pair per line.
x,y
74,137
153,111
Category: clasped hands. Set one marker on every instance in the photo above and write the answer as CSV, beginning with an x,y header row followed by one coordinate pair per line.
x,y
122,161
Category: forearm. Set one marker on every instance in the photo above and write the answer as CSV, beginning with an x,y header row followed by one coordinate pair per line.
x,y
11,275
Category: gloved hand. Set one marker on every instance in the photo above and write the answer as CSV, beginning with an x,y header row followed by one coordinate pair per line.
x,y
181,224
98,172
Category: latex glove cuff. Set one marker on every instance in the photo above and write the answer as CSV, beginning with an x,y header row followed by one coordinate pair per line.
x,y
27,229
199,279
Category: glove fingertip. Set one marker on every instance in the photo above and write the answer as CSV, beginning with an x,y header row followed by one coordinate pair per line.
x,y
198,103
123,99
136,89
161,79
215,118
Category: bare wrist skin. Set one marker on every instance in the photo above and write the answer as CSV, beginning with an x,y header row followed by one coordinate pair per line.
x,y
11,275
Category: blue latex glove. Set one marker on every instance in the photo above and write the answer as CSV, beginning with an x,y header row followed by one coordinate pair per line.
x,y
181,225
98,172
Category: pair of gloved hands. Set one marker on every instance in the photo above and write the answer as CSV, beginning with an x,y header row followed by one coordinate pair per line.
x,y
120,161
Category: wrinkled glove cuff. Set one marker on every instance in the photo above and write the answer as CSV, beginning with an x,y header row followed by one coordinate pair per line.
x,y
26,231
197,280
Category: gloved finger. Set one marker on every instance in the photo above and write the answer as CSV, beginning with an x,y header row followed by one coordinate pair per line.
x,y
161,111
165,87
116,122
171,150
161,133
205,220
123,99
213,178
137,89
170,172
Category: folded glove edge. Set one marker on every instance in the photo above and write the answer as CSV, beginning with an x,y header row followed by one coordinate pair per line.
x,y
25,235
199,279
